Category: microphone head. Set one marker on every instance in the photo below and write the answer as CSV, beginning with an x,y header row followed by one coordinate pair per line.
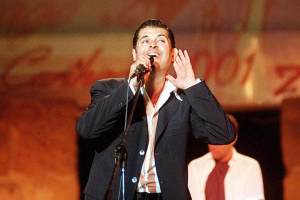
x,y
151,58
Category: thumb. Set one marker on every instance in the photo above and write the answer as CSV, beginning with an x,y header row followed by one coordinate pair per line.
x,y
171,79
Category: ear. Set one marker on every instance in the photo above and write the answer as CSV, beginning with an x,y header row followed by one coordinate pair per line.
x,y
133,52
174,54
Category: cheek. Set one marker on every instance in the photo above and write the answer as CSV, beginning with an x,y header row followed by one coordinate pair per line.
x,y
140,52
167,56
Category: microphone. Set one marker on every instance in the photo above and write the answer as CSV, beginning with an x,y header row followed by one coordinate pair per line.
x,y
141,70
151,58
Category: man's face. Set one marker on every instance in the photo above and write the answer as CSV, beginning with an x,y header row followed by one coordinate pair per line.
x,y
154,41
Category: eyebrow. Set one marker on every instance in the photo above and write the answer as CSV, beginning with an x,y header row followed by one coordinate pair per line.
x,y
159,35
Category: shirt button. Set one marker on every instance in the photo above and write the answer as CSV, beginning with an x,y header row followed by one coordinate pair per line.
x,y
134,179
142,152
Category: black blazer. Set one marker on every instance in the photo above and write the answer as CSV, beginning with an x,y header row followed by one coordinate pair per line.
x,y
198,115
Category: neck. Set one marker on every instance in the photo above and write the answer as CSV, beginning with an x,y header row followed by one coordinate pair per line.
x,y
155,86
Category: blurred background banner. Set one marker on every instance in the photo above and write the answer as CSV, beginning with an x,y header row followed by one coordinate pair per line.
x,y
247,51
242,69
51,52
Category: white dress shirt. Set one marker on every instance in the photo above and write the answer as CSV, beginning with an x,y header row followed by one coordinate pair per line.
x,y
152,111
243,180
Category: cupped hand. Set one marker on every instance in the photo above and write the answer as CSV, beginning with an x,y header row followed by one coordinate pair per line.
x,y
185,76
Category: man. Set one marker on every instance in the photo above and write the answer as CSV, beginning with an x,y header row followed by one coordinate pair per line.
x,y
223,173
169,111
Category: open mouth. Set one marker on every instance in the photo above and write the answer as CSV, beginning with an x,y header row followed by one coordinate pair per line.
x,y
153,54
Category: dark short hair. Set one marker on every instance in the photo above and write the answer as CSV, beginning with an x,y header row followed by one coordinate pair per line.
x,y
153,23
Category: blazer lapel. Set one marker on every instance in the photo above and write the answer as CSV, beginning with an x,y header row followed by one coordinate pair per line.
x,y
165,114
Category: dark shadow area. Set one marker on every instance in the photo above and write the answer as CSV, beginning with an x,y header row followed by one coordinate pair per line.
x,y
85,158
260,138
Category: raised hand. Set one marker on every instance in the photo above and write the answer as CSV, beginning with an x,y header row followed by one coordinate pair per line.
x,y
185,76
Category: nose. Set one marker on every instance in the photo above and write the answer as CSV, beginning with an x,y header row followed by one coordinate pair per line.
x,y
153,43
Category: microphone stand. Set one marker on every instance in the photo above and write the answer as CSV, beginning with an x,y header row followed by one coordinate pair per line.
x,y
120,151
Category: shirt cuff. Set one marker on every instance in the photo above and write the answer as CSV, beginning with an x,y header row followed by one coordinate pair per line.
x,y
198,80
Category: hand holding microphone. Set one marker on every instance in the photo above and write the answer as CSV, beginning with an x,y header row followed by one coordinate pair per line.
x,y
141,69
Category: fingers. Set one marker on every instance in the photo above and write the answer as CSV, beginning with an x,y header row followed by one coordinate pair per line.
x,y
182,61
144,60
185,76
182,58
187,58
178,58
